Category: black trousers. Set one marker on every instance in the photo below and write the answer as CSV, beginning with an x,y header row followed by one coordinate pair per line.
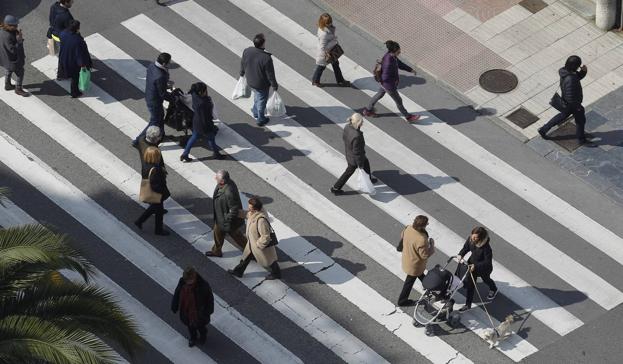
x,y
407,287
74,84
469,285
349,172
242,266
578,115
336,70
193,330
158,210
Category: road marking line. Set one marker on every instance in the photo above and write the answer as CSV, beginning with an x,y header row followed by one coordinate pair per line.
x,y
447,136
227,320
467,201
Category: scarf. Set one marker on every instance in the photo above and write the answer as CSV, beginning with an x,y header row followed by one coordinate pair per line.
x,y
188,304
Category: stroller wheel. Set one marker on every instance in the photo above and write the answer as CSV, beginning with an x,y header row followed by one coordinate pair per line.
x,y
416,324
454,319
430,330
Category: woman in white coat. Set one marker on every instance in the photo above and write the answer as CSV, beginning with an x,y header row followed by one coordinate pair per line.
x,y
326,41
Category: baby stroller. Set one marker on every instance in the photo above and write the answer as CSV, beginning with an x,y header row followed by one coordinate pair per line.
x,y
435,306
179,115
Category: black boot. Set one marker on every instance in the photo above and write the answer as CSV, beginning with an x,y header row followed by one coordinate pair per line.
x,y
275,272
8,86
238,271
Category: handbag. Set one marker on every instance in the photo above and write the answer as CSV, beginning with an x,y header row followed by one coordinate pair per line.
x,y
273,237
399,246
333,54
557,102
146,194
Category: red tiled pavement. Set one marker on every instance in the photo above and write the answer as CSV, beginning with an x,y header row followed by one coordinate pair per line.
x,y
425,37
484,10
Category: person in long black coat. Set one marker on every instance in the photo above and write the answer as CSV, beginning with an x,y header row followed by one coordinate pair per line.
x,y
194,299
153,170
203,121
74,55
12,56
59,18
355,151
480,263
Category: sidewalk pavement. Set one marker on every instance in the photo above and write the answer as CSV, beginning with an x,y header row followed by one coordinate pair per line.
x,y
457,40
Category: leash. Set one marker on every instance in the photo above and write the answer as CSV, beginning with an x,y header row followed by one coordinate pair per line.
x,y
483,303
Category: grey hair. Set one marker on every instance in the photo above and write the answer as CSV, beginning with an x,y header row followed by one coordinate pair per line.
x,y
222,175
152,135
356,120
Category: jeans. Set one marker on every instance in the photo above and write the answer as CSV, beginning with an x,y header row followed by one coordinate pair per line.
x,y
394,95
349,172
154,208
407,287
19,73
260,97
219,239
578,115
156,117
193,138
469,285
336,69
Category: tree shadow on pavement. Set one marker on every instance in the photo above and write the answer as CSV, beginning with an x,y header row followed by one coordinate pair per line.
x,y
406,80
461,115
18,8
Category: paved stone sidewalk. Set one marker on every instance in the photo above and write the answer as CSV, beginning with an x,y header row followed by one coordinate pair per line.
x,y
457,40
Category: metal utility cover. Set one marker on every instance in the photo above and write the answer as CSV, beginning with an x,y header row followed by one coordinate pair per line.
x,y
498,81
565,136
534,6
522,118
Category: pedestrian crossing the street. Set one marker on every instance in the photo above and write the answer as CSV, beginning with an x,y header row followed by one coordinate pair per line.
x,y
341,306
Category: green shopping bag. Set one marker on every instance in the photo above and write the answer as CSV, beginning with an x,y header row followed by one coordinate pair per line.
x,y
85,80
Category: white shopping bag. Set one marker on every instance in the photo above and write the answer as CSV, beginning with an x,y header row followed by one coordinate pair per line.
x,y
275,105
241,89
363,182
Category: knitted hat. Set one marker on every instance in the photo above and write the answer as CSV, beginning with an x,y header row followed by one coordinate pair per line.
x,y
10,20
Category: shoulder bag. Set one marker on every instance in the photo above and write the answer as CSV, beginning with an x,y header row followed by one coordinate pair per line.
x,y
333,54
146,194
273,237
557,102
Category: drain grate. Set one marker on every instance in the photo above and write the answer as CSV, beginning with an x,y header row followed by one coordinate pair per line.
x,y
533,6
522,118
565,136
498,81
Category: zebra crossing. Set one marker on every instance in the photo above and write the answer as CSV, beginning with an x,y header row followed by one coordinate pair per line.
x,y
290,304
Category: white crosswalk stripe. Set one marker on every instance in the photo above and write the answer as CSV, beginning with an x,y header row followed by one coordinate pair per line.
x,y
143,255
279,295
454,192
447,136
151,327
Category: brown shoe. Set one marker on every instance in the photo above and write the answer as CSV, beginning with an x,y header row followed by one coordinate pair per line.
x,y
210,253
19,91
317,84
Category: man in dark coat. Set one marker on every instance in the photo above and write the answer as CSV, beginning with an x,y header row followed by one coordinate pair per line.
x,y
74,55
194,299
156,84
227,205
571,89
59,19
389,81
12,56
257,66
355,151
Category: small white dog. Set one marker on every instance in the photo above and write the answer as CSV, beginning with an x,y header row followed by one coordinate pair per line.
x,y
502,332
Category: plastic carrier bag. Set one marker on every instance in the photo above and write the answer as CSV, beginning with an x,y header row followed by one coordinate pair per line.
x,y
241,89
84,82
275,105
363,182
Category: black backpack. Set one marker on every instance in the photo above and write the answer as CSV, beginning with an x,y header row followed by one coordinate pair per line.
x,y
378,70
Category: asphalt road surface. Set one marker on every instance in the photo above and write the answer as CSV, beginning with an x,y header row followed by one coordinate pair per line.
x,y
557,243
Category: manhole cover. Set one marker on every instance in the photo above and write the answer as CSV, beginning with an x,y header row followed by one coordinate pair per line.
x,y
498,81
534,6
565,136
522,118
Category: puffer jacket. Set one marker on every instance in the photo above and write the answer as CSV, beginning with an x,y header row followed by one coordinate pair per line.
x,y
571,86
354,145
481,257
390,67
203,123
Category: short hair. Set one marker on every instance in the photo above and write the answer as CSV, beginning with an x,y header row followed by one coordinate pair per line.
x,y
222,174
152,134
392,46
355,120
73,26
188,273
258,40
256,203
152,155
420,222
163,58
198,88
481,232
65,2
324,20
573,63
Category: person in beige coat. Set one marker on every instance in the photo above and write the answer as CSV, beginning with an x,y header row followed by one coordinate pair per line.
x,y
258,238
326,41
417,247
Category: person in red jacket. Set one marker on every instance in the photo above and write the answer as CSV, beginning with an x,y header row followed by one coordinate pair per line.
x,y
389,81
